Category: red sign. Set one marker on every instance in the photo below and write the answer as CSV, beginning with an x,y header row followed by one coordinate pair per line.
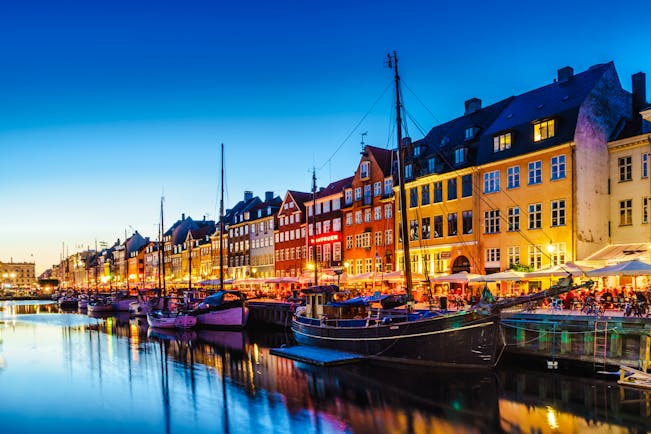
x,y
323,239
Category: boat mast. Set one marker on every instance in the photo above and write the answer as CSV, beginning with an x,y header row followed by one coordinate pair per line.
x,y
221,226
162,232
160,257
393,62
316,272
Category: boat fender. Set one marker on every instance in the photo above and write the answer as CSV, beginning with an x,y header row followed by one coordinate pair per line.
x,y
386,320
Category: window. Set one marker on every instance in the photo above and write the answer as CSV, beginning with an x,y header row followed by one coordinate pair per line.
x,y
438,226
349,219
452,188
625,168
378,238
358,217
364,169
413,230
388,211
367,194
438,191
336,224
492,221
425,228
359,266
535,216
388,186
336,251
558,254
349,242
367,215
502,142
535,172
466,222
408,171
513,177
492,182
377,213
460,156
535,256
378,263
377,189
466,186
626,212
645,209
413,197
543,130
388,237
558,213
431,165
326,206
493,255
558,167
514,219
336,204
424,194
368,265
348,197
416,151
452,224
645,165
327,226
513,254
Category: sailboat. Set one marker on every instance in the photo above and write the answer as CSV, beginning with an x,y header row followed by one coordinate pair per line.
x,y
467,339
225,308
169,316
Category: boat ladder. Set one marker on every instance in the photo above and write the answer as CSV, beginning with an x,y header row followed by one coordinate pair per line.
x,y
600,352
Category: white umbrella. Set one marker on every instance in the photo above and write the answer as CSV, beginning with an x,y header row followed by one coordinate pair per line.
x,y
508,275
461,277
628,268
560,270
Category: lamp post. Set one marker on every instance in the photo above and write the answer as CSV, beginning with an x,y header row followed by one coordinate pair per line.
x,y
338,272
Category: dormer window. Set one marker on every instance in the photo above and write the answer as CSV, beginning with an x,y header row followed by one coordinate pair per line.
x,y
416,151
502,142
408,172
365,169
460,155
431,165
470,133
543,130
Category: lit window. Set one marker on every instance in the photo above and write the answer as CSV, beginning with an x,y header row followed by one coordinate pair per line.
x,y
513,253
502,142
626,212
543,130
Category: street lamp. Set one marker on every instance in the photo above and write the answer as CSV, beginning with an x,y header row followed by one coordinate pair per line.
x,y
338,272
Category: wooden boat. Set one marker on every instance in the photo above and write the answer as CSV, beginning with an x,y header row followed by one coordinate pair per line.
x,y
223,309
100,304
465,339
166,319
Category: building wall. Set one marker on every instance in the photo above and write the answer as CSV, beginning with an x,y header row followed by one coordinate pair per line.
x,y
262,246
18,275
637,190
328,235
598,117
289,240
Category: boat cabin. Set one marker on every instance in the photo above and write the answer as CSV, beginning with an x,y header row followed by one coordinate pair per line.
x,y
327,302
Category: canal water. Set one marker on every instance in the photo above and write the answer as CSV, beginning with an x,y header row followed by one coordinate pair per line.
x,y
72,373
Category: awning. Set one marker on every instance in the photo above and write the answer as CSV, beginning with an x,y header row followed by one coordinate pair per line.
x,y
622,252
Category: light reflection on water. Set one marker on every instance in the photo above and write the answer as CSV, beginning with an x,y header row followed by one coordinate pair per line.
x,y
65,372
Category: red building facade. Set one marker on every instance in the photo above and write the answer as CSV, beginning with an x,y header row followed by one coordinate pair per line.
x,y
290,244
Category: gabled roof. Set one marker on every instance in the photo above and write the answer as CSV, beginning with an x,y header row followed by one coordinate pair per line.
x,y
179,230
443,140
383,157
561,100
335,187
299,198
275,204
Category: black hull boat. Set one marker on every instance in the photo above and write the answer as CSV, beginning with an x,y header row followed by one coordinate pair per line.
x,y
463,340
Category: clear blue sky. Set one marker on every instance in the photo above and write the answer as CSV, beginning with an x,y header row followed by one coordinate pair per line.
x,y
106,104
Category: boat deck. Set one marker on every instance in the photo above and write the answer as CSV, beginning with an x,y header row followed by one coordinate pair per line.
x,y
317,356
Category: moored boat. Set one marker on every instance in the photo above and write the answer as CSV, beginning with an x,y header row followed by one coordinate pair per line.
x,y
224,308
100,304
122,300
68,302
166,319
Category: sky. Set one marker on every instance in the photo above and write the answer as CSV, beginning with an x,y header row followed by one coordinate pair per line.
x,y
105,106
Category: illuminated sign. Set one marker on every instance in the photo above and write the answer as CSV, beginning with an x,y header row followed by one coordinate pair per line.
x,y
325,239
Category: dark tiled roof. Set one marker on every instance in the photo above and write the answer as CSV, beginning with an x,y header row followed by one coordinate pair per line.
x,y
383,157
300,198
561,100
335,187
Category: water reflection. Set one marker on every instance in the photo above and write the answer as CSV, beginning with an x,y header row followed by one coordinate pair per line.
x,y
113,373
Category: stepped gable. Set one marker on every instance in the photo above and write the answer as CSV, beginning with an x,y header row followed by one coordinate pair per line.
x,y
561,100
442,141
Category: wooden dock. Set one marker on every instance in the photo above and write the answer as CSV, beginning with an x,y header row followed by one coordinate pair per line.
x,y
317,356
630,377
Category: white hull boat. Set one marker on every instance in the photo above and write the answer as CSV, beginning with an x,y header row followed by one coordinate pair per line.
x,y
169,320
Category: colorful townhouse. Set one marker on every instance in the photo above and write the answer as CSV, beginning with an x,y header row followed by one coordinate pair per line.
x,y
290,242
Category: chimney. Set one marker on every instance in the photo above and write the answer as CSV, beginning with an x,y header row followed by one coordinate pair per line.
x,y
268,196
183,216
565,74
248,195
406,141
639,92
472,105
